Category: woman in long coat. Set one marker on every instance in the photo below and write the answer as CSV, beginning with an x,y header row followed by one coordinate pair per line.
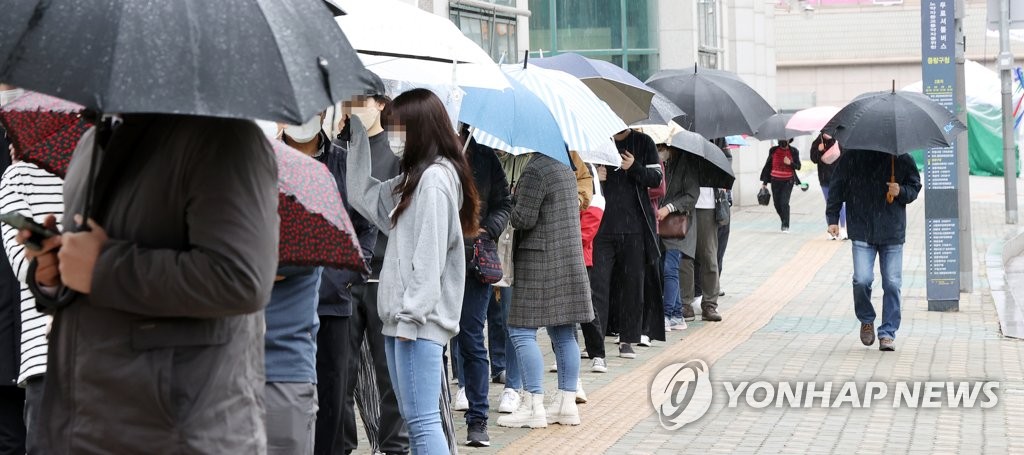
x,y
682,191
551,289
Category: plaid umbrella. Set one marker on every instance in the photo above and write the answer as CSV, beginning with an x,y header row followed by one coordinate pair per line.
x,y
315,228
44,130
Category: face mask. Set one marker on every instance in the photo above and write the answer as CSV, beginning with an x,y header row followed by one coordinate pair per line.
x,y
269,128
368,116
397,144
305,132
6,96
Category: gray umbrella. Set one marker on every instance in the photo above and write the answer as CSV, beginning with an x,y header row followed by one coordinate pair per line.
x,y
715,167
629,97
269,59
894,122
775,128
662,112
717,103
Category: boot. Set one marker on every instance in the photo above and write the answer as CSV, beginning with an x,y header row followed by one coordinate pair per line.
x,y
710,312
531,413
688,314
563,409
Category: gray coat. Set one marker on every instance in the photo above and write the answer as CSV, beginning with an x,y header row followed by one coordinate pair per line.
x,y
551,286
681,191
166,354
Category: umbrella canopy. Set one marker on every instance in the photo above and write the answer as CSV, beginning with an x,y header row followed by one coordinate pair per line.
x,y
775,128
44,130
629,97
514,120
283,61
586,123
812,119
717,103
663,111
894,122
416,46
715,168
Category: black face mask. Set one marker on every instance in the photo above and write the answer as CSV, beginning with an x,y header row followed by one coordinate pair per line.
x,y
784,144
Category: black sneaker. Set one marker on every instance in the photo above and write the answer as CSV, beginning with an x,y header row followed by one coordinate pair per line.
x,y
476,436
626,351
498,378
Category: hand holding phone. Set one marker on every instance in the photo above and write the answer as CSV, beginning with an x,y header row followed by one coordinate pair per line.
x,y
38,232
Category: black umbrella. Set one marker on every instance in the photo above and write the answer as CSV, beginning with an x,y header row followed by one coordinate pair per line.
x,y
269,59
775,128
715,167
662,112
894,122
717,103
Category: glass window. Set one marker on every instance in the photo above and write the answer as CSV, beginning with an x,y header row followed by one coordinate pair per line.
x,y
642,65
589,24
540,25
641,26
708,49
495,34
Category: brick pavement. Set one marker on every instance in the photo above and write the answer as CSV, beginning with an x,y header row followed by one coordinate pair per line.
x,y
789,317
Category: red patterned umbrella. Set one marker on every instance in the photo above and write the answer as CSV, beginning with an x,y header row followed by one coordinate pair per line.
x,y
44,130
315,228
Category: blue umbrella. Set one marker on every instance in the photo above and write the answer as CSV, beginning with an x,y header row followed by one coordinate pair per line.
x,y
628,96
514,120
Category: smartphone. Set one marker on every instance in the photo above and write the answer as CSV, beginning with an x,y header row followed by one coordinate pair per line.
x,y
22,222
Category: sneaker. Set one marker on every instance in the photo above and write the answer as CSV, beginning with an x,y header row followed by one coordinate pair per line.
x,y
581,396
554,368
711,315
679,324
886,344
598,365
476,435
498,378
510,400
867,334
785,230
461,402
626,351
688,313
583,354
645,341
668,324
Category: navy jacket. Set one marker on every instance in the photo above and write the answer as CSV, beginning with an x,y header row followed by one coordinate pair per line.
x,y
860,180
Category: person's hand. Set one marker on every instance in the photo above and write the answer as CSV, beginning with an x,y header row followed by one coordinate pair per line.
x,y
894,189
764,185
403,339
833,230
79,254
787,161
47,263
662,213
602,173
627,160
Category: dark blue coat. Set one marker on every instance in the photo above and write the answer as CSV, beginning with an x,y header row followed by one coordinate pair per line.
x,y
860,180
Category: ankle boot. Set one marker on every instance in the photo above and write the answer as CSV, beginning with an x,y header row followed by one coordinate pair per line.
x,y
531,413
563,409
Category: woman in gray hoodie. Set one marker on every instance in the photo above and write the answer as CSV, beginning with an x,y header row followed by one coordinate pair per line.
x,y
425,210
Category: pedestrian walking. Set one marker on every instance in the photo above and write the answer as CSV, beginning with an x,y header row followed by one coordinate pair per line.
x,y
780,171
876,188
425,210
552,289
825,152
172,275
682,191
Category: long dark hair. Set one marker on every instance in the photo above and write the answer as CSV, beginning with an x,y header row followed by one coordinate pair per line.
x,y
429,136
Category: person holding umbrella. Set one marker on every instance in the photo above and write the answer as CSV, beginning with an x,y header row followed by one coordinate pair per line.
x,y
780,171
426,210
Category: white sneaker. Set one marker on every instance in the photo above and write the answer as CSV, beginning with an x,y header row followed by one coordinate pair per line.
x,y
668,324
679,324
530,414
598,365
554,368
645,341
461,402
581,396
510,401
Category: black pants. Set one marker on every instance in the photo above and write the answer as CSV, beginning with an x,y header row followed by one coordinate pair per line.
x,y
723,241
331,375
781,192
654,301
33,405
365,323
12,420
619,259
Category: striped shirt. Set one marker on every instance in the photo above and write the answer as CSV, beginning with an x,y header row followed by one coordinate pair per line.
x,y
35,193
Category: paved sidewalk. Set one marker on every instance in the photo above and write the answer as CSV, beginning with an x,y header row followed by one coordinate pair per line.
x,y
789,317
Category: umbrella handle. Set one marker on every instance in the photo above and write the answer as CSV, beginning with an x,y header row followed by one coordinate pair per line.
x,y
892,179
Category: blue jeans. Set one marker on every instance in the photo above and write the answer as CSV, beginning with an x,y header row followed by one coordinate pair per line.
x,y
496,333
672,300
567,356
470,350
415,370
890,261
842,211
513,377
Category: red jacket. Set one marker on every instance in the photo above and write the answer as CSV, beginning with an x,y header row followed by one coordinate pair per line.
x,y
590,220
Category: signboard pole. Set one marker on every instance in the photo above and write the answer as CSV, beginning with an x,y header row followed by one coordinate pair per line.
x,y
962,161
942,179
1009,156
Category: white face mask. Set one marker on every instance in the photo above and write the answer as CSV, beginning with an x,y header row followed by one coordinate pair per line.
x,y
397,143
368,116
6,96
305,132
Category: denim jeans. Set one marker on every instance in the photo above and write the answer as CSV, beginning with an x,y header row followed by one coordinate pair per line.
x,y
672,300
470,350
496,333
567,356
415,370
842,211
513,375
890,261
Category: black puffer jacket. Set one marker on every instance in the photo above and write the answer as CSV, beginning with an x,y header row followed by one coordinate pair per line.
x,y
491,186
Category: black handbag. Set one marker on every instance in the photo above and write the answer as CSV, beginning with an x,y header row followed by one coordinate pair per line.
x,y
722,213
486,265
763,196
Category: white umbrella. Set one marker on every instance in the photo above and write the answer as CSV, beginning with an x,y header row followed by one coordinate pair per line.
x,y
398,41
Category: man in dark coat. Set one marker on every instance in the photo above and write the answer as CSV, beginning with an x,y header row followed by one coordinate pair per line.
x,y
625,243
877,228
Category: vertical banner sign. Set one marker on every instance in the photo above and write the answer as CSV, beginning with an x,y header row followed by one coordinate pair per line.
x,y
942,223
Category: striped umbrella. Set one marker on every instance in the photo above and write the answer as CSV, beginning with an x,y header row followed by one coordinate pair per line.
x,y
587,123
